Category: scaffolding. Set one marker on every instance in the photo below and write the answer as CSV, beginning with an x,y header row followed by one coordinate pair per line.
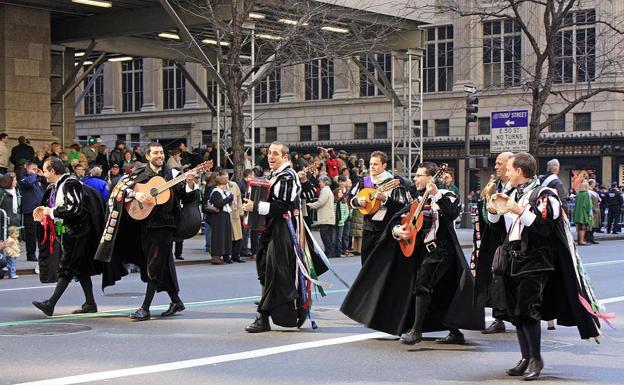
x,y
407,115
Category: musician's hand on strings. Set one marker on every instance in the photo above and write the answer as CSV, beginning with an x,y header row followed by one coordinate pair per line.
x,y
432,188
380,196
142,197
401,232
361,201
248,205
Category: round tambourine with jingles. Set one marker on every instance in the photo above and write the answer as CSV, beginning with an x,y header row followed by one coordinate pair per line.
x,y
499,203
38,214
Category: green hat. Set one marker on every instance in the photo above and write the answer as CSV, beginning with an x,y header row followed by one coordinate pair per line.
x,y
94,140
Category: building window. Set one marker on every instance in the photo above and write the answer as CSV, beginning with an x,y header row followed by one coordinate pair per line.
x,y
83,140
132,85
439,59
269,89
135,140
319,79
121,137
381,130
212,92
582,121
305,133
425,128
257,138
557,125
174,86
442,127
206,137
367,86
575,48
270,134
94,97
484,126
360,131
323,132
502,53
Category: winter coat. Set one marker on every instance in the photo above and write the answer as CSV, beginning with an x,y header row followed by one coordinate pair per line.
x,y
325,208
357,223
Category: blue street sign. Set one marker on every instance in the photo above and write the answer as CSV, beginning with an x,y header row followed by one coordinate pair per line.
x,y
507,119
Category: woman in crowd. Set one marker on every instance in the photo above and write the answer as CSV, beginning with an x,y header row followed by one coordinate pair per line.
x,y
583,218
221,239
127,162
10,199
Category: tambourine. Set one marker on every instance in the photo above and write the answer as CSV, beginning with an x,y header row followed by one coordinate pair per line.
x,y
499,203
38,214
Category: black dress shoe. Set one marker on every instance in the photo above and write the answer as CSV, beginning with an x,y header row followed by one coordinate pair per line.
x,y
257,302
179,258
593,242
32,259
140,315
173,308
452,338
411,337
45,306
519,369
86,308
497,326
260,325
535,368
238,260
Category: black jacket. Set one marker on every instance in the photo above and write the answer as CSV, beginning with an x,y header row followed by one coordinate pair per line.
x,y
21,154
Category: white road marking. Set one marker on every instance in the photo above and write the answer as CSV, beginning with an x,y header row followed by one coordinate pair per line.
x,y
27,288
604,263
158,368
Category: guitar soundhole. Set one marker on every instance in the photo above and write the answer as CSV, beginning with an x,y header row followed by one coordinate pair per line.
x,y
154,192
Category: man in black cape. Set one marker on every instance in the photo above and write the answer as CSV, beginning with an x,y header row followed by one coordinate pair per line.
x,y
429,291
538,274
276,258
489,238
72,215
146,243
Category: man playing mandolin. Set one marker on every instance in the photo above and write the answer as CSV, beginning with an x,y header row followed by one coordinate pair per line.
x,y
146,242
392,200
427,290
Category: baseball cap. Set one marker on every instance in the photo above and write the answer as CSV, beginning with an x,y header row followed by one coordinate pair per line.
x,y
115,165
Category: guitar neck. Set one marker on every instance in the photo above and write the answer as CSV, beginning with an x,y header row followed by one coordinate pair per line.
x,y
171,183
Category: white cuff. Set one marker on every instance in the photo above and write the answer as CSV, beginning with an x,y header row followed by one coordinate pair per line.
x,y
263,208
493,218
394,235
527,217
435,198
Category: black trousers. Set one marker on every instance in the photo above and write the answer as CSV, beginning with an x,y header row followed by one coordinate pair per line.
x,y
30,236
432,268
613,218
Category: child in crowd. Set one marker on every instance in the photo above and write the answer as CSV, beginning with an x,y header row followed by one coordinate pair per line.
x,y
12,250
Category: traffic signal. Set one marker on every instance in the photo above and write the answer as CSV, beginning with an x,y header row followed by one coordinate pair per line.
x,y
471,108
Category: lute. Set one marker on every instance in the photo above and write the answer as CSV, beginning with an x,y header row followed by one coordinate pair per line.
x,y
372,205
159,191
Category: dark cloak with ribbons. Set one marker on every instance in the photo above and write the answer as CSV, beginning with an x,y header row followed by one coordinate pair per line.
x,y
566,282
382,298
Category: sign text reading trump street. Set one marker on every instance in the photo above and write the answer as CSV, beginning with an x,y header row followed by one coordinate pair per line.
x,y
509,131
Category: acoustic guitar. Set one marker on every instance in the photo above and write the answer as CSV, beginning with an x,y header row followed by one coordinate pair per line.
x,y
414,219
159,191
372,205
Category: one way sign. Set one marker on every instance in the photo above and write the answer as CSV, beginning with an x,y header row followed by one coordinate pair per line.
x,y
509,131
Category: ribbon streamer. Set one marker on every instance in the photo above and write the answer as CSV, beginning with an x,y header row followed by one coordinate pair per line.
x,y
603,316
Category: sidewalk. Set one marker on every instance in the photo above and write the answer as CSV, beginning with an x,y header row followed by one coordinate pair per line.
x,y
194,252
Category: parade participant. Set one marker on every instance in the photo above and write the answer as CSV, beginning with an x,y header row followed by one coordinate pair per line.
x,y
427,291
488,239
276,258
72,216
392,201
538,274
146,243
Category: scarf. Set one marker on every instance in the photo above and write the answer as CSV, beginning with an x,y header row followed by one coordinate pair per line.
x,y
15,203
378,179
227,207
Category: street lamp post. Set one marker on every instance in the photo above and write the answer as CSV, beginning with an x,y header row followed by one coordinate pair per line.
x,y
471,116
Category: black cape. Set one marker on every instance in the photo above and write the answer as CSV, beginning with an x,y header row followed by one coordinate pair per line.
x,y
381,296
565,283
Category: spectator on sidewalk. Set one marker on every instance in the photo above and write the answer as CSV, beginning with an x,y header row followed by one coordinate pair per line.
x,y
583,218
596,219
96,181
342,214
90,151
32,185
113,176
21,154
116,155
325,209
101,159
10,199
221,223
5,153
236,216
551,180
614,206
12,251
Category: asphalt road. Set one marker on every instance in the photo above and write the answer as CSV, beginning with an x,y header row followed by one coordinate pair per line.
x,y
206,344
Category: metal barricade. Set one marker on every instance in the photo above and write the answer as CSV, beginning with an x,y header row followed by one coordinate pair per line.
x,y
4,223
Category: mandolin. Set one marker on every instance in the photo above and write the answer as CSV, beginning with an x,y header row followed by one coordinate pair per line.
x,y
414,219
159,190
372,205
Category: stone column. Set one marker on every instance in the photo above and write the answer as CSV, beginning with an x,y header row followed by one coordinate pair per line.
x,y
193,100
289,78
152,85
467,53
343,79
607,170
25,74
112,88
